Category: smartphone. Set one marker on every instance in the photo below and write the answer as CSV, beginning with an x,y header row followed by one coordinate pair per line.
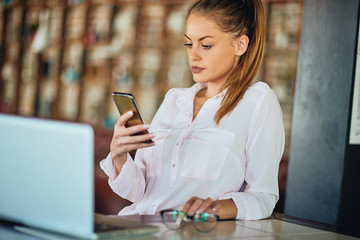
x,y
126,102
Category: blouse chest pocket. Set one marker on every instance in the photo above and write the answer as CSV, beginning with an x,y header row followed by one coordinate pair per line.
x,y
206,153
154,155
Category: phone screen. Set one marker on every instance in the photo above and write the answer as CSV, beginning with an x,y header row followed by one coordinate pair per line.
x,y
126,102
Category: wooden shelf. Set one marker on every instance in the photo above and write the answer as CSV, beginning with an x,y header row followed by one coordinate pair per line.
x,y
97,47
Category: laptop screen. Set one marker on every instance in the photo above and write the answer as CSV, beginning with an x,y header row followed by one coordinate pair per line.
x,y
46,174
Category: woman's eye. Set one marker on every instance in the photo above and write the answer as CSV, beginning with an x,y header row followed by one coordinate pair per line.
x,y
188,45
206,47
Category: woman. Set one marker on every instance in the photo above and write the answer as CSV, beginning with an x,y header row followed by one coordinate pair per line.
x,y
217,144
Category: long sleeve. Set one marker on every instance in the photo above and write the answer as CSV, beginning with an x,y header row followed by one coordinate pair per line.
x,y
130,183
264,149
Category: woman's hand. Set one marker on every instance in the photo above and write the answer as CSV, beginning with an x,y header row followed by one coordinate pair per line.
x,y
122,141
225,209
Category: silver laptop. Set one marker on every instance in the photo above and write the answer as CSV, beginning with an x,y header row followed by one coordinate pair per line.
x,y
47,178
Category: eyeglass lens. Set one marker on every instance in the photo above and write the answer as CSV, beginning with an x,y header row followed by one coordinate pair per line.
x,y
173,219
202,222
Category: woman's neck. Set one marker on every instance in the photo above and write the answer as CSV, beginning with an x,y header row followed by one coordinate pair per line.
x,y
210,91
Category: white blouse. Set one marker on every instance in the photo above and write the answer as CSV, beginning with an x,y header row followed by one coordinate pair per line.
x,y
238,159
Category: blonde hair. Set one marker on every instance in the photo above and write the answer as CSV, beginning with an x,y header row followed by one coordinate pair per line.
x,y
237,17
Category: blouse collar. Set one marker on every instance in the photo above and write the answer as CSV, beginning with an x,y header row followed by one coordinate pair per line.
x,y
185,100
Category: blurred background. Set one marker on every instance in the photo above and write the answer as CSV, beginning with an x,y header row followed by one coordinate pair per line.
x,y
62,59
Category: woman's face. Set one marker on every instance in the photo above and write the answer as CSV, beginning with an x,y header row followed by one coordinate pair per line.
x,y
211,52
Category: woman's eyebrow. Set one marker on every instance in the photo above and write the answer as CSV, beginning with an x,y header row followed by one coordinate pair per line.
x,y
202,38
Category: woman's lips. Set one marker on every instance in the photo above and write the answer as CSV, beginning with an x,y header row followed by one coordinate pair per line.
x,y
196,69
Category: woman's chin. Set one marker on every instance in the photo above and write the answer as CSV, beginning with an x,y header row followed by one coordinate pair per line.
x,y
198,79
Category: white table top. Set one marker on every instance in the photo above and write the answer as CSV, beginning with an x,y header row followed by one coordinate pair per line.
x,y
269,229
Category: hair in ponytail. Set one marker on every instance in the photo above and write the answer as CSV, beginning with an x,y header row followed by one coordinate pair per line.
x,y
237,17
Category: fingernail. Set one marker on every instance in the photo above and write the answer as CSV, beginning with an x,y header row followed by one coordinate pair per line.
x,y
178,221
146,126
130,113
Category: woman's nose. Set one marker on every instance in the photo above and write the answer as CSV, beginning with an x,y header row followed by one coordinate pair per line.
x,y
194,54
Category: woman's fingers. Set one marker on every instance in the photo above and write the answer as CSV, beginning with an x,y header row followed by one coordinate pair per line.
x,y
124,144
120,130
124,118
138,129
188,204
128,147
143,138
205,205
198,205
127,139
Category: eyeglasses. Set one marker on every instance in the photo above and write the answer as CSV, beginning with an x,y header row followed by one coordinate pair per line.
x,y
203,222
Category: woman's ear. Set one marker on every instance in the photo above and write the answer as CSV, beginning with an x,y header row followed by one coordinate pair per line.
x,y
242,43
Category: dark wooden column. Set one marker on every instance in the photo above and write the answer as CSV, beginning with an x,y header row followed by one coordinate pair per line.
x,y
324,169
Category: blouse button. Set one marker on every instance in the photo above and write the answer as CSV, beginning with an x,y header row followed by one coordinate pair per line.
x,y
173,165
